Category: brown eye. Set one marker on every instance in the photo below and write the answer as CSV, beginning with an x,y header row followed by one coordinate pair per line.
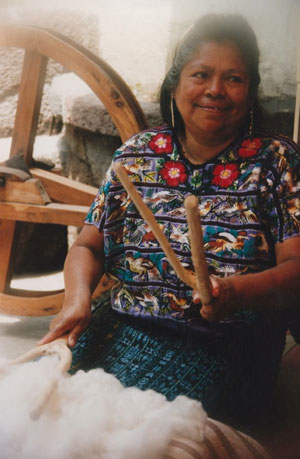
x,y
201,75
235,79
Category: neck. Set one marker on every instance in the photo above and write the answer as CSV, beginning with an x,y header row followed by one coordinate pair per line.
x,y
199,152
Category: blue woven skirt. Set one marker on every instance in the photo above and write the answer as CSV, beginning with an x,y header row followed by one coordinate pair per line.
x,y
233,378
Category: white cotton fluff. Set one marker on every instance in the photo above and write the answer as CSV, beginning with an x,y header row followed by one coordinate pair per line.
x,y
90,416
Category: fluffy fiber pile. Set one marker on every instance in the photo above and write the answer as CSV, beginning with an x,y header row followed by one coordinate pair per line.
x,y
90,415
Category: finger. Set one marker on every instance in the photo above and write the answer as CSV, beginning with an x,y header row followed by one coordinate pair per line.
x,y
51,336
55,333
54,323
215,286
196,297
75,334
208,313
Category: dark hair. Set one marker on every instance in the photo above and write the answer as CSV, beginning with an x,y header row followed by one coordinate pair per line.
x,y
215,28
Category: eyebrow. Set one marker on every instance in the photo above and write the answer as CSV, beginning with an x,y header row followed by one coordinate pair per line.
x,y
233,70
207,67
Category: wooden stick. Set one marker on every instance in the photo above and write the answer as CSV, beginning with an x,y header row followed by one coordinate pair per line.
x,y
59,347
197,249
185,275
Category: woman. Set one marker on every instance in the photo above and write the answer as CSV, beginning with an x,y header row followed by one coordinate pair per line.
x,y
227,355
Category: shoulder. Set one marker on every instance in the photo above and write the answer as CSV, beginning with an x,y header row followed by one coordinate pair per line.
x,y
275,150
277,141
151,141
143,153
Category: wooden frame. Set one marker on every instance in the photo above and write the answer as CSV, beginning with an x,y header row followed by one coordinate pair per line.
x,y
70,200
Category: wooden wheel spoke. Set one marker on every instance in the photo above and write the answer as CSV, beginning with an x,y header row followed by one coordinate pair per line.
x,y
29,102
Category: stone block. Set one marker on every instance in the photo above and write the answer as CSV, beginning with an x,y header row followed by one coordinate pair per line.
x,y
77,104
84,155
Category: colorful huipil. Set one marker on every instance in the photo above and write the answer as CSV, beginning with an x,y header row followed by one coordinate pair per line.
x,y
249,200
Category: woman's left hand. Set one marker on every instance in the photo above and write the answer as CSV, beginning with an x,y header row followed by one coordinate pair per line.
x,y
224,300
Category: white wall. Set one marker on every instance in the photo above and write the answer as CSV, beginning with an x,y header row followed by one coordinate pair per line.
x,y
136,37
276,24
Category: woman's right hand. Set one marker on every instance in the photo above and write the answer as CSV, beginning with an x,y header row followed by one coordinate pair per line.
x,y
223,303
82,271
73,319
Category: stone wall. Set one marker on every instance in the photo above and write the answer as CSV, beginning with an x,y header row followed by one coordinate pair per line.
x,y
79,25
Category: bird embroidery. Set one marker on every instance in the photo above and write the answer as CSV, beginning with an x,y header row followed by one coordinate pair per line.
x,y
143,267
294,209
176,304
226,242
280,152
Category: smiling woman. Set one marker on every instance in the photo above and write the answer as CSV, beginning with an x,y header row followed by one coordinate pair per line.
x,y
210,91
149,332
212,97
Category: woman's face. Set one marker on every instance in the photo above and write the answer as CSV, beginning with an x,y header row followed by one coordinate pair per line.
x,y
213,92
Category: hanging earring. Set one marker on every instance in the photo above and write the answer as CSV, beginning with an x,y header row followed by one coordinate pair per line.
x,y
172,112
251,123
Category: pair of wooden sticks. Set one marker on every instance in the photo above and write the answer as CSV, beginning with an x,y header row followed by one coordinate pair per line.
x,y
198,280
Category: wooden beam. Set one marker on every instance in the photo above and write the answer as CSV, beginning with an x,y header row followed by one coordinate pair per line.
x,y
64,190
31,191
61,214
13,174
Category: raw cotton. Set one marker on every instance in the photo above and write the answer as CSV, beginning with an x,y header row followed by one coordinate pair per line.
x,y
89,416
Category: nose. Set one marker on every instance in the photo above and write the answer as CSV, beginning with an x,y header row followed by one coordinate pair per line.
x,y
215,87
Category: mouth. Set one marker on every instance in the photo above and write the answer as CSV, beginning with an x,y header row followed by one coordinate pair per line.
x,y
212,108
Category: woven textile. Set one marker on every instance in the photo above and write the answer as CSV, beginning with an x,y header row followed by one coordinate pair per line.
x,y
232,378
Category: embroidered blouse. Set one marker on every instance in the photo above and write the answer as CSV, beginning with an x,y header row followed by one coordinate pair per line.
x,y
249,201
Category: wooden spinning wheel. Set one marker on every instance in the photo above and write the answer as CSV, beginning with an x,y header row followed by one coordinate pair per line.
x,y
45,197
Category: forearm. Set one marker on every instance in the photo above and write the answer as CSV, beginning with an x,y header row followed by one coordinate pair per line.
x,y
82,271
84,266
275,288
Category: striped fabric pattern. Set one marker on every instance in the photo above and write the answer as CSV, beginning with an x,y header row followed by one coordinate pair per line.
x,y
220,442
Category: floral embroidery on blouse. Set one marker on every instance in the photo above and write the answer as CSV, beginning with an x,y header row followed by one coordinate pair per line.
x,y
250,147
173,172
225,174
161,143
